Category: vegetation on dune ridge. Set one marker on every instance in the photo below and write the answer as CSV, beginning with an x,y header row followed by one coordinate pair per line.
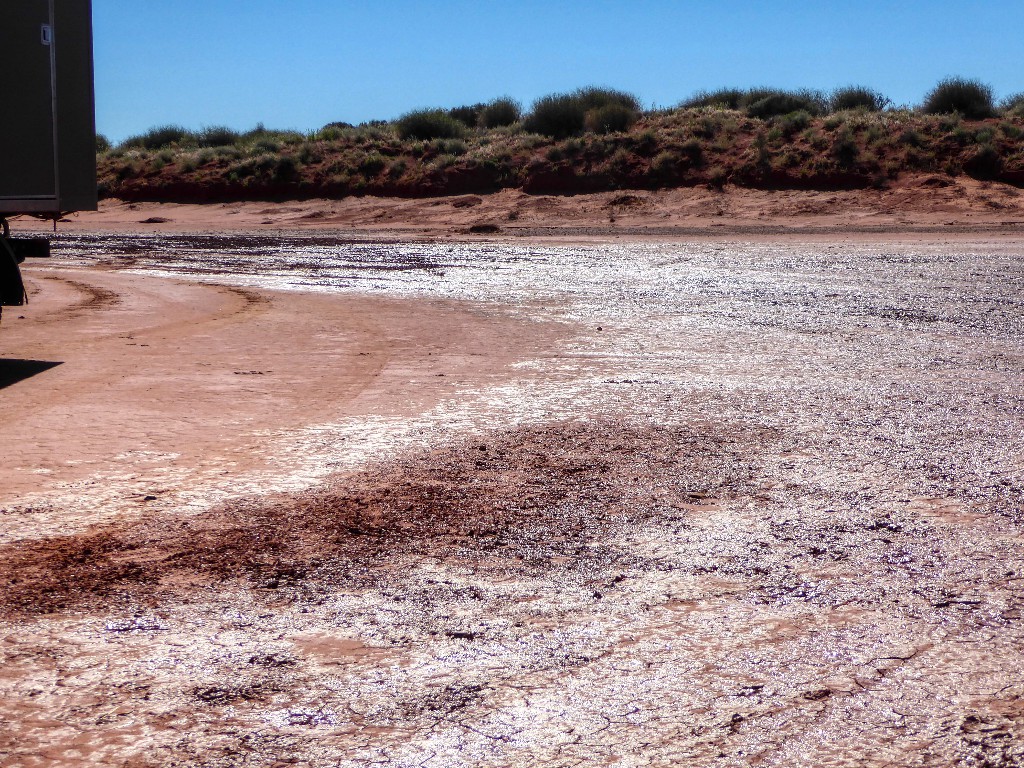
x,y
592,139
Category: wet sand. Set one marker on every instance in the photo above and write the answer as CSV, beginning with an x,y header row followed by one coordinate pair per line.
x,y
696,503
128,393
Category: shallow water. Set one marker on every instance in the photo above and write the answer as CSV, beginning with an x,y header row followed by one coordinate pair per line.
x,y
687,309
793,286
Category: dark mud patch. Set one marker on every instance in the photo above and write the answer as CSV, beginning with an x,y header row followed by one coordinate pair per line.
x,y
520,501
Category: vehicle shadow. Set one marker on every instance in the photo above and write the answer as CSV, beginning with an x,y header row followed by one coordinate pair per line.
x,y
13,371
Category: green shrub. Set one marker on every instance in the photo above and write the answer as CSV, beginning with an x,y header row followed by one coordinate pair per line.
x,y
874,133
502,111
793,122
708,126
621,161
693,150
265,144
267,136
789,159
970,98
962,135
1011,131
561,115
950,122
646,142
330,133
844,148
760,149
985,163
666,164
593,97
397,168
429,124
1013,105
723,98
127,170
611,118
444,161
468,115
160,137
833,121
769,102
815,139
217,136
449,147
265,164
308,153
102,143
572,147
372,164
258,164
857,97
556,115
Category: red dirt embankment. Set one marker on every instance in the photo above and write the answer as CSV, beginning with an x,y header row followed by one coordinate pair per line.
x,y
679,149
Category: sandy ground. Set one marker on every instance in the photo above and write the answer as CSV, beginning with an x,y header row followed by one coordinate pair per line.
x,y
125,392
925,205
717,504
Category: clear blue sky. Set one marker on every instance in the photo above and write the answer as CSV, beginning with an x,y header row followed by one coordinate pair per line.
x,y
303,63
